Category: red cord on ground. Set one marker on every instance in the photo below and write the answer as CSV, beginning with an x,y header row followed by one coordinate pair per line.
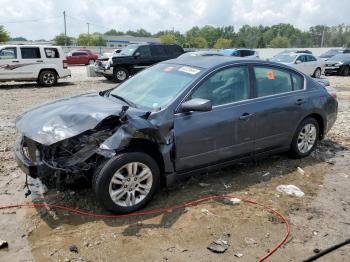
x,y
166,209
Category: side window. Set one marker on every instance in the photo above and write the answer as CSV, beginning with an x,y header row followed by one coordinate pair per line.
x,y
298,81
79,54
302,58
311,58
51,53
245,53
157,50
30,52
224,87
8,53
271,81
144,51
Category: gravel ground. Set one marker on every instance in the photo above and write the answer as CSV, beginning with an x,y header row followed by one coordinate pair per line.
x,y
319,219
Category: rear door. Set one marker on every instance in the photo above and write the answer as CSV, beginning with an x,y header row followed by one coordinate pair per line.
x,y
9,63
280,100
31,62
311,64
158,53
226,132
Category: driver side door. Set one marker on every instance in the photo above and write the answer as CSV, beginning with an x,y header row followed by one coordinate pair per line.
x,y
225,132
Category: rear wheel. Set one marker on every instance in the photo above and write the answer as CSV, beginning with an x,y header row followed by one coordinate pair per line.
x,y
120,74
317,73
47,78
345,71
126,182
305,138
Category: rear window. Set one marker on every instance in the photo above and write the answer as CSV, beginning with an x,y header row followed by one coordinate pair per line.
x,y
157,50
173,50
30,52
51,53
272,81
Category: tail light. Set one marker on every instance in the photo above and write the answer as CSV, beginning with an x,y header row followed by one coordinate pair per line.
x,y
334,95
65,64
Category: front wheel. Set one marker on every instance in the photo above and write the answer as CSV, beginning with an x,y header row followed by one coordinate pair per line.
x,y
305,138
120,74
126,182
345,71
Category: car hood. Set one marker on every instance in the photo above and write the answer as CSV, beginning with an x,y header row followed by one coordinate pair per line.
x,y
68,117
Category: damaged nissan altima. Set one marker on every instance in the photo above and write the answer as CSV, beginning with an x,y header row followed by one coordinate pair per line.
x,y
171,120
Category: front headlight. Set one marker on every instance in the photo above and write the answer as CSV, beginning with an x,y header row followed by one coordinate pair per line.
x,y
339,63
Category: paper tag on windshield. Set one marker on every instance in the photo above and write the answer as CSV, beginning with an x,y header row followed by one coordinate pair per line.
x,y
189,70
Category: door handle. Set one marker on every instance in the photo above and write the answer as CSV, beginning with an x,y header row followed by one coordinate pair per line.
x,y
300,101
245,116
39,61
15,61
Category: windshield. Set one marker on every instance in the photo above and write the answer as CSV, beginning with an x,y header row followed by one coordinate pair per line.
x,y
128,50
155,87
230,52
340,57
332,52
284,58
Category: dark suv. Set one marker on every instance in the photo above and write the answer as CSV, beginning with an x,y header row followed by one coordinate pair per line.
x,y
136,57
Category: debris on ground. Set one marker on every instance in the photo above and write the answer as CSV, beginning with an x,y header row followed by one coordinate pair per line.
x,y
204,184
238,255
206,212
218,246
232,201
316,250
73,248
3,244
290,190
301,171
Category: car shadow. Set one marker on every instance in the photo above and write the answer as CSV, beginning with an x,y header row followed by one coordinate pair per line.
x,y
19,85
238,177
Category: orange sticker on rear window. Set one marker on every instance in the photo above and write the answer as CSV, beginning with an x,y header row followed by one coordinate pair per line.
x,y
168,69
270,75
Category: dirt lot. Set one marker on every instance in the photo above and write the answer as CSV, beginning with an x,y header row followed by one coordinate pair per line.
x,y
319,219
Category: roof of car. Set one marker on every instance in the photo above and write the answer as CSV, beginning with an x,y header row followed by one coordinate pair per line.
x,y
45,46
209,61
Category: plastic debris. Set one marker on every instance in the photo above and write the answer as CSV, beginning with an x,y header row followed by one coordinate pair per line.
x,y
73,248
290,190
3,244
204,184
232,201
301,171
206,211
218,246
238,255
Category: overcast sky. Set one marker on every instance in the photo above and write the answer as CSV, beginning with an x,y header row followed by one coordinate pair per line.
x,y
43,19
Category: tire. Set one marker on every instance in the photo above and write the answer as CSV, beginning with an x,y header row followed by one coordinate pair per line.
x,y
317,73
131,192
47,78
309,127
91,62
120,74
345,71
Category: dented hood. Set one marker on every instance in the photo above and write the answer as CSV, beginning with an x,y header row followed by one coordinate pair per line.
x,y
68,117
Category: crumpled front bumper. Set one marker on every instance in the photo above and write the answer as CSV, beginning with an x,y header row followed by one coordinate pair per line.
x,y
26,165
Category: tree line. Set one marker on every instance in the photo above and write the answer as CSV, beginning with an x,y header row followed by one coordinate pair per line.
x,y
275,36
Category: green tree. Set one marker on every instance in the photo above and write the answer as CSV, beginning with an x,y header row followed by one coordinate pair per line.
x,y
4,36
279,42
198,42
223,43
170,39
94,39
60,40
139,33
114,32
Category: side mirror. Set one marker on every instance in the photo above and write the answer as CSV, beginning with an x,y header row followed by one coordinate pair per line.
x,y
137,54
196,104
298,62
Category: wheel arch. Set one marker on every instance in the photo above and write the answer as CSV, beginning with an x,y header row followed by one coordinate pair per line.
x,y
321,123
52,69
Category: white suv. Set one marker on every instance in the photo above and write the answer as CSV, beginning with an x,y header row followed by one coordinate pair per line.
x,y
44,64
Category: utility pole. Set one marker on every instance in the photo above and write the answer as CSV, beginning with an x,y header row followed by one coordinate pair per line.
x,y
88,24
322,39
65,28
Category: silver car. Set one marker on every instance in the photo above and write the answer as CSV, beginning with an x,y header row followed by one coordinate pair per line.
x,y
306,63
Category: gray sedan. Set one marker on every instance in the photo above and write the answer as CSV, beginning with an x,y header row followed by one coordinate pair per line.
x,y
171,120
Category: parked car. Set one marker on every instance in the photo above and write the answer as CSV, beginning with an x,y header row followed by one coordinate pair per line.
x,y
241,52
82,57
136,57
338,64
305,63
44,64
171,120
332,52
201,53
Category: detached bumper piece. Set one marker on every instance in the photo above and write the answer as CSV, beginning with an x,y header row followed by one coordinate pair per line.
x,y
24,160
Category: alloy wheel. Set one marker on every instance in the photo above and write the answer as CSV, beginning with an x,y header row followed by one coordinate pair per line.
x,y
48,78
130,184
121,75
307,138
